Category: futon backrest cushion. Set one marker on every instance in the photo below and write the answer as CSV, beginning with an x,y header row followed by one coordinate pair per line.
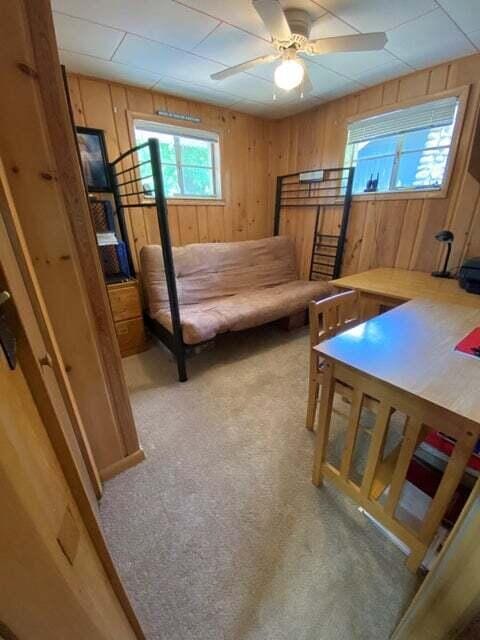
x,y
216,270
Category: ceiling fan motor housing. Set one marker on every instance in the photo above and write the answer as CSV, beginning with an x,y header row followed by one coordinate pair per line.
x,y
300,24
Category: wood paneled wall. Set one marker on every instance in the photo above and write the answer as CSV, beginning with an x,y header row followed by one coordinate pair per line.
x,y
387,233
244,157
382,232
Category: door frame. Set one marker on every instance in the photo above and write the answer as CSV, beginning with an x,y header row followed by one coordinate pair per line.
x,y
20,273
449,597
49,385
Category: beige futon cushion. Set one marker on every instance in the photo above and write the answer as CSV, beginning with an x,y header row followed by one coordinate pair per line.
x,y
228,286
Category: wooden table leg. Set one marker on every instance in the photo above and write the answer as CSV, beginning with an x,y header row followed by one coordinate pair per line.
x,y
324,418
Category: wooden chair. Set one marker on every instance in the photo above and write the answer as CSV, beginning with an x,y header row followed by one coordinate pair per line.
x,y
420,417
327,318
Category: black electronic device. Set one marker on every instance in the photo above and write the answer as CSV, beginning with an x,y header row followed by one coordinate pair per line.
x,y
469,276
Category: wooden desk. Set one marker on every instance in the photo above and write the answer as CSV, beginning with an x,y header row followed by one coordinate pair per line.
x,y
382,288
405,360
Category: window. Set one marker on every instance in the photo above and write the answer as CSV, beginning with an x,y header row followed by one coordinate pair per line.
x,y
403,150
190,160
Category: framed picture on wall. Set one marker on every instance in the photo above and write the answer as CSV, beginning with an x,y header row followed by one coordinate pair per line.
x,y
93,156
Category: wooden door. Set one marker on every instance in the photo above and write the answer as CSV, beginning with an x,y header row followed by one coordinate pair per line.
x,y
57,578
53,582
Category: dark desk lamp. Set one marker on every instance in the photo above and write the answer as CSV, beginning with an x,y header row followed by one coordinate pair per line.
x,y
448,237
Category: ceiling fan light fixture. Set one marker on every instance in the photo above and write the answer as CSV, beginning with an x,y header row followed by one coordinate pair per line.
x,y
289,74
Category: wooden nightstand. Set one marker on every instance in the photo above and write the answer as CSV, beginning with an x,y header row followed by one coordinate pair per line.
x,y
127,315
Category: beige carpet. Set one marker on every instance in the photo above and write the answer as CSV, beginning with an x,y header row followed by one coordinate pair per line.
x,y
219,534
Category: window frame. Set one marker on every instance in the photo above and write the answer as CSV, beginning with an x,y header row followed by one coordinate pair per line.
x,y
177,128
427,192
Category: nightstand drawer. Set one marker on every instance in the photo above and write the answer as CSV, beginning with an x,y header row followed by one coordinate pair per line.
x,y
131,336
125,301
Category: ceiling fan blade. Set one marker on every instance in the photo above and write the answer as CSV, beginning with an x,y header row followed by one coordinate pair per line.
x,y
238,68
360,42
306,86
271,12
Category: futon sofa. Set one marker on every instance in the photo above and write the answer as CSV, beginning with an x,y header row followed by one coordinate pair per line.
x,y
228,286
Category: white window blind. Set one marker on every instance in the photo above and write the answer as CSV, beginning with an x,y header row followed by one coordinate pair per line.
x,y
437,113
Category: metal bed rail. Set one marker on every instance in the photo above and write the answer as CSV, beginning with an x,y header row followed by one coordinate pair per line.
x,y
130,193
332,190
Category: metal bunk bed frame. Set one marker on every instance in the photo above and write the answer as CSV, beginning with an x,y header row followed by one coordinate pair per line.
x,y
128,194
332,189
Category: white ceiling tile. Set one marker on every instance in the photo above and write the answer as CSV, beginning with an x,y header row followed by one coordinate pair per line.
x,y
327,94
306,103
162,33
260,109
164,60
195,91
475,38
265,70
378,15
428,40
161,20
90,66
323,79
351,64
241,14
466,13
248,87
383,72
230,46
299,107
86,37
276,109
314,103
329,26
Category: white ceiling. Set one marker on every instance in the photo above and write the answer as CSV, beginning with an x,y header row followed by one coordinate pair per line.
x,y
174,45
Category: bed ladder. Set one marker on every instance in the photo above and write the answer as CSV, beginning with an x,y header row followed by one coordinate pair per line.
x,y
329,192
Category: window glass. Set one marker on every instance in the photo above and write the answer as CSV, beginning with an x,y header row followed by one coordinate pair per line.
x,y
420,169
170,181
167,148
190,164
414,157
379,147
196,152
427,138
373,168
197,181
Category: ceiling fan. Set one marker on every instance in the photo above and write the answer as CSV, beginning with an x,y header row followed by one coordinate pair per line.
x,y
290,31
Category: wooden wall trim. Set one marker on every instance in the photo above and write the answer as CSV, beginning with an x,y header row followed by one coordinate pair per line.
x,y
69,177
46,188
47,339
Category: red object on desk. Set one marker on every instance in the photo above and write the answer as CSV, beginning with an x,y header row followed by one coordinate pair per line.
x,y
470,343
